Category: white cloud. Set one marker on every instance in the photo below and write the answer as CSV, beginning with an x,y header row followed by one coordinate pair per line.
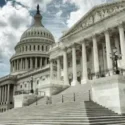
x,y
31,4
14,21
84,6
58,14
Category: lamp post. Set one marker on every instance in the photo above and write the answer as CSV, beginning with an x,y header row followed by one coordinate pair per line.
x,y
115,57
31,85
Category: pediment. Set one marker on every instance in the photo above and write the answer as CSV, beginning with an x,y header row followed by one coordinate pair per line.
x,y
96,14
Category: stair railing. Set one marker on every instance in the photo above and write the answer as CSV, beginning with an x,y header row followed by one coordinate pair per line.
x,y
89,95
74,97
62,99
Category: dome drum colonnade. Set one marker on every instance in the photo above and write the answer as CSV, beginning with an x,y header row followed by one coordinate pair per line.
x,y
119,41
32,50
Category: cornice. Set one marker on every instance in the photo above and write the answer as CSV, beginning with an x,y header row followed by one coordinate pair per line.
x,y
87,14
28,55
40,42
8,77
33,72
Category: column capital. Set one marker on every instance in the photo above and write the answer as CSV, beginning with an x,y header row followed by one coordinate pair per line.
x,y
73,45
106,30
94,35
83,41
120,24
51,60
65,49
59,57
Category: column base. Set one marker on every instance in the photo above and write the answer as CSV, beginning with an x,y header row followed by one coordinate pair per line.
x,y
74,82
84,81
66,84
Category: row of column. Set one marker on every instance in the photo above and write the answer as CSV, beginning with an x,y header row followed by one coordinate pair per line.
x,y
26,48
84,58
4,93
28,63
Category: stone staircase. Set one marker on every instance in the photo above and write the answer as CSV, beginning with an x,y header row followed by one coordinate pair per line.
x,y
80,111
68,113
79,92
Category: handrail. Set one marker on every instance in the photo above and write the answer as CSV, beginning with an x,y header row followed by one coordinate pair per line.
x,y
75,96
27,92
22,92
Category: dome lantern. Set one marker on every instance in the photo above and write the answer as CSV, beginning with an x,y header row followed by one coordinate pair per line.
x,y
37,17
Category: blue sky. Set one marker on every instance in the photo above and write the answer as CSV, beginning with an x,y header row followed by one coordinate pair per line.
x,y
16,17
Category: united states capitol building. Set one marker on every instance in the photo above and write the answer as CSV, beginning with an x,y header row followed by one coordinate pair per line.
x,y
91,52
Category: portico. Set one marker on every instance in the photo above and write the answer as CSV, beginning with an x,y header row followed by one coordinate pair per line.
x,y
6,93
98,60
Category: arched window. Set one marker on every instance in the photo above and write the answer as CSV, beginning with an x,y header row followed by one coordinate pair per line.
x,y
34,47
30,47
23,48
42,48
26,48
46,48
38,47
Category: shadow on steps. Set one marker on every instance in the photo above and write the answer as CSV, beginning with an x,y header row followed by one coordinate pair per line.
x,y
98,115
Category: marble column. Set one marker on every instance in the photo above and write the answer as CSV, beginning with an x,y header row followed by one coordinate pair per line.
x,y
116,39
4,93
51,69
84,64
5,97
13,66
46,61
108,52
104,57
17,64
31,63
41,62
21,63
8,93
58,69
122,43
74,67
0,94
65,67
26,64
36,62
95,55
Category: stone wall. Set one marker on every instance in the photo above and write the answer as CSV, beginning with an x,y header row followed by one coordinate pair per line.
x,y
110,92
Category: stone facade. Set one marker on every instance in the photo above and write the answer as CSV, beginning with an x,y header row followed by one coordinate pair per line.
x,y
86,51
82,56
29,66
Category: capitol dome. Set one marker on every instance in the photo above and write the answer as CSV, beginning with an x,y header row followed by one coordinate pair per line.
x,y
32,49
35,31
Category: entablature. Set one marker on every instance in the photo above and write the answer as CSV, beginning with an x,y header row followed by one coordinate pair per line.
x,y
95,15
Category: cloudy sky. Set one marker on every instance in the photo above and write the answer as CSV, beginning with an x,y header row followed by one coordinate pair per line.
x,y
16,17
